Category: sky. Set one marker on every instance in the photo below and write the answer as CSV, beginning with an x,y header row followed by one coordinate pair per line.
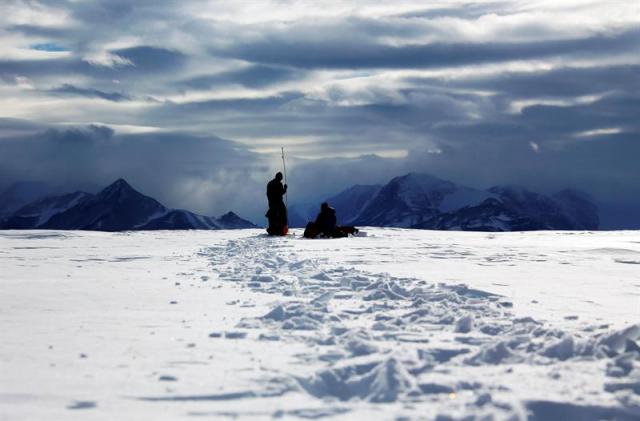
x,y
191,100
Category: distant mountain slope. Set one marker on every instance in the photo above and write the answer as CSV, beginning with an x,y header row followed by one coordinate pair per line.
x,y
22,193
405,201
579,207
414,198
545,211
566,210
38,213
350,202
427,202
182,219
490,215
118,207
232,221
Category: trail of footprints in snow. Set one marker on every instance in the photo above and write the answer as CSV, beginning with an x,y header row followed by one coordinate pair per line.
x,y
385,339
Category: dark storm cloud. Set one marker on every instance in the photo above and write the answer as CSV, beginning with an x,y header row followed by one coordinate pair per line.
x,y
90,93
467,11
323,83
329,176
257,76
593,147
144,60
601,166
182,170
615,111
17,123
91,136
101,12
176,111
562,82
39,31
556,127
36,68
118,12
344,54
147,59
340,127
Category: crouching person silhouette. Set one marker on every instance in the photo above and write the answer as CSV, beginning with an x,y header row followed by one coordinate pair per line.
x,y
326,226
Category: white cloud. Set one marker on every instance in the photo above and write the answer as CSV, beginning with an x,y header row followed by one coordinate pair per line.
x,y
534,146
107,59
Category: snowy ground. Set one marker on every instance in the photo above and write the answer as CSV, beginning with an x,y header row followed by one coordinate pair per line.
x,y
401,323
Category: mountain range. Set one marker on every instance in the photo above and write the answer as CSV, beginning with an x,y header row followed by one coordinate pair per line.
x,y
423,201
414,200
118,207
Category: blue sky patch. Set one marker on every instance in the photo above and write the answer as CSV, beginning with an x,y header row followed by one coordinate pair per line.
x,y
49,46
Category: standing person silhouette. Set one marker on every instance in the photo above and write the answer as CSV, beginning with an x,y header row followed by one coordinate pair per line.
x,y
277,213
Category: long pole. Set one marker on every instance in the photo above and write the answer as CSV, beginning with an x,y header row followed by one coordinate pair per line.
x,y
284,168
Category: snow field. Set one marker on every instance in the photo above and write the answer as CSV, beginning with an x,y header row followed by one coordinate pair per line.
x,y
237,324
380,338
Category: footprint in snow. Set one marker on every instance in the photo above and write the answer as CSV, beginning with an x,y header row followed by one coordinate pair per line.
x,y
82,405
407,311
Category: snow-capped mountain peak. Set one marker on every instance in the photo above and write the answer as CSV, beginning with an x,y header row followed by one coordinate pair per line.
x,y
230,221
419,190
118,189
424,201
409,200
117,207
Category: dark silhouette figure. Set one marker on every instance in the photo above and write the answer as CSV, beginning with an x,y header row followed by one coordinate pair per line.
x,y
277,213
326,222
326,225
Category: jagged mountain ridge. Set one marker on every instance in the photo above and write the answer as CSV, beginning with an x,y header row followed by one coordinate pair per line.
x,y
37,213
118,207
490,215
423,201
413,199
